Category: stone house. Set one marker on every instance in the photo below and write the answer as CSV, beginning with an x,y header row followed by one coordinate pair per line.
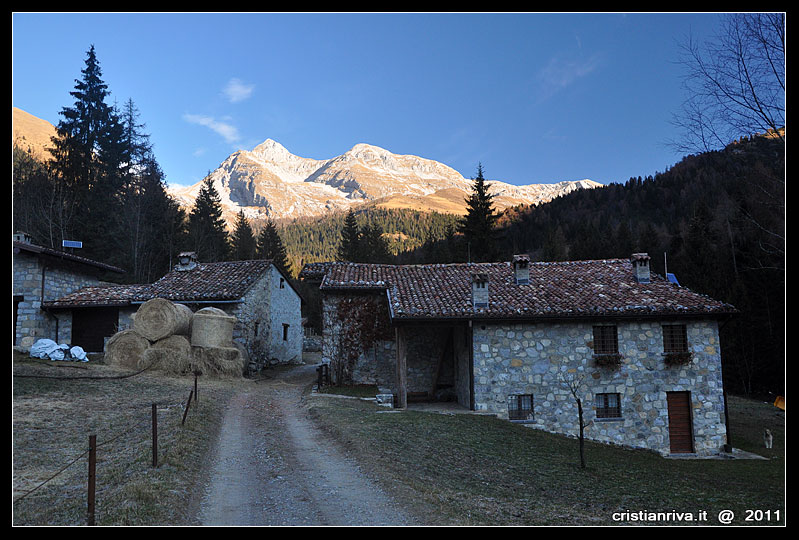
x,y
509,338
256,292
42,274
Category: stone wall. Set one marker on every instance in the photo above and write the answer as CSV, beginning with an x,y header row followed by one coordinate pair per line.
x,y
535,358
377,365
32,322
425,347
260,318
285,309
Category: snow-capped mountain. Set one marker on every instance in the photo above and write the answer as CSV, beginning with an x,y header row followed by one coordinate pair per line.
x,y
270,181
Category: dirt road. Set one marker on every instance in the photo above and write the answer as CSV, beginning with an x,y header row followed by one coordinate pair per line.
x,y
272,466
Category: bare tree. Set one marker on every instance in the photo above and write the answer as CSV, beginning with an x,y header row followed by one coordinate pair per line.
x,y
735,83
573,382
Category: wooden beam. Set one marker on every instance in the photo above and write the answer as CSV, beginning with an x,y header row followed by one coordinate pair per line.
x,y
402,368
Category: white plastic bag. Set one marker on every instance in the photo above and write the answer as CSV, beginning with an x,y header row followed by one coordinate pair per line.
x,y
43,348
78,354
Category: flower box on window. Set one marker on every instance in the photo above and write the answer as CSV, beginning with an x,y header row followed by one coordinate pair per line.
x,y
677,358
608,359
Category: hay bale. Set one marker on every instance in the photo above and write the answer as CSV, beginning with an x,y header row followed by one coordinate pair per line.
x,y
126,349
159,318
171,355
212,327
224,362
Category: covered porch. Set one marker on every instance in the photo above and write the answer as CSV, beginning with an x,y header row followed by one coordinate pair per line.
x,y
433,365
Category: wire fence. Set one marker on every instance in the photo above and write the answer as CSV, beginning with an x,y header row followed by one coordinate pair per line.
x,y
193,397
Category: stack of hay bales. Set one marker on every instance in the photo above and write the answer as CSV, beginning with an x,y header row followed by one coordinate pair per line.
x,y
169,337
212,349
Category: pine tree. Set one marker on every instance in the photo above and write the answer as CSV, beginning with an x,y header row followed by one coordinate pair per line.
x,y
477,225
270,246
86,154
373,247
243,241
348,249
207,234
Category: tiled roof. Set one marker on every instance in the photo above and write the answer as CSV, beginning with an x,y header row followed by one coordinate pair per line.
x,y
210,281
207,282
32,248
100,295
556,289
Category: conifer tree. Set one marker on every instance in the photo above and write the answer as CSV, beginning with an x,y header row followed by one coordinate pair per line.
x,y
207,234
243,241
373,247
270,246
348,249
86,154
477,225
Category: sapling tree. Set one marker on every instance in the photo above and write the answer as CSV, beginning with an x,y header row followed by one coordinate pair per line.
x,y
573,382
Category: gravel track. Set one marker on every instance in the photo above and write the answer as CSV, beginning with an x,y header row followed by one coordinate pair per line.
x,y
272,466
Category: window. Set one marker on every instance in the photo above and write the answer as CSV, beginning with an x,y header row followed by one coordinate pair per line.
x,y
675,338
608,406
520,407
606,340
285,332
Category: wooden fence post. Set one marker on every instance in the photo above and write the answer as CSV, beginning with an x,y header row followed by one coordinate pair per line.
x,y
92,476
185,412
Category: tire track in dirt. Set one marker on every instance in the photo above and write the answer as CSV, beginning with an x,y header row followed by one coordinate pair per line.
x,y
272,466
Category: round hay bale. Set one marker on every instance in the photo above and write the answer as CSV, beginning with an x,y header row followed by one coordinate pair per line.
x,y
171,354
125,349
159,318
224,362
212,327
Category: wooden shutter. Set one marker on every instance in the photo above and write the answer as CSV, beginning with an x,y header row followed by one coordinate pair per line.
x,y
681,438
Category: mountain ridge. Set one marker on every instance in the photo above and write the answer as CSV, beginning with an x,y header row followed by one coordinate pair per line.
x,y
271,182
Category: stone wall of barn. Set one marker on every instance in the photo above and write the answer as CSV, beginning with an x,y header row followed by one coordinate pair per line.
x,y
32,322
266,307
425,346
512,359
286,336
376,365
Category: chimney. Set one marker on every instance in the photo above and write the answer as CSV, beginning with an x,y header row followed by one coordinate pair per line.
x,y
521,269
187,260
640,267
479,290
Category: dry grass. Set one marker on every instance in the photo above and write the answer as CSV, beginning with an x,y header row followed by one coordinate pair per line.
x,y
480,470
52,421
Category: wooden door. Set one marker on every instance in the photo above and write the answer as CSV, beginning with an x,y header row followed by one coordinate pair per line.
x,y
681,433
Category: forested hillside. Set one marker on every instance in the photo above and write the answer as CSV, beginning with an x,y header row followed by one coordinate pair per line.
x,y
317,239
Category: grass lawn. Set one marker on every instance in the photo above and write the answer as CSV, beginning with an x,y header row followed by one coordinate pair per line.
x,y
52,421
480,470
358,390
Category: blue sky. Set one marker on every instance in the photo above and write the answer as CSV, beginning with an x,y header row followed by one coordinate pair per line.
x,y
535,98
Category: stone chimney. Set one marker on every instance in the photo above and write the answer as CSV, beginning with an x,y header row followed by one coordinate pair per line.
x,y
521,269
479,290
640,267
187,260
